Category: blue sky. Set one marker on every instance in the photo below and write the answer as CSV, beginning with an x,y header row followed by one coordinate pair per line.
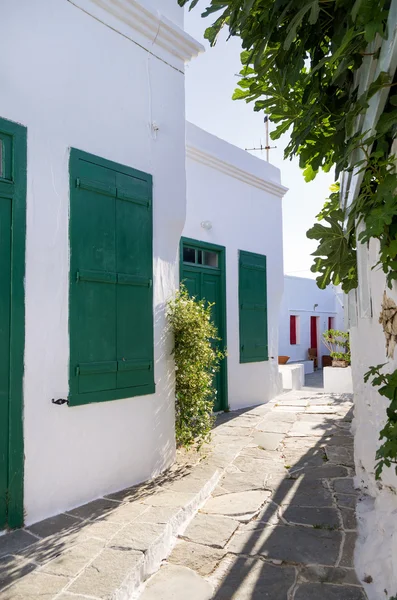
x,y
210,82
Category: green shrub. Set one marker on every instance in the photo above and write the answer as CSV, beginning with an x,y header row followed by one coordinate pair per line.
x,y
197,359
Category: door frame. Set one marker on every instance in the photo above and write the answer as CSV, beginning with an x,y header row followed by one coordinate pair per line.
x,y
17,190
221,250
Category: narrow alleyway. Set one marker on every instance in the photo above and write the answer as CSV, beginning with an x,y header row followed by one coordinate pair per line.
x,y
281,522
276,519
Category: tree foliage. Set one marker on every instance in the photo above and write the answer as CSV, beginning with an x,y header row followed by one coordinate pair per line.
x,y
196,361
299,65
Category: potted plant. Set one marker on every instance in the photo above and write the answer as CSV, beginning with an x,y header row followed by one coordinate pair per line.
x,y
338,344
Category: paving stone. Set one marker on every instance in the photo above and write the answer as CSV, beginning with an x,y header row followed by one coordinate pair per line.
x,y
202,559
241,482
158,514
106,573
325,472
189,484
210,530
318,573
137,536
73,560
274,426
340,455
59,524
240,432
35,586
339,440
293,544
167,498
124,513
13,568
315,591
346,500
349,518
15,541
268,441
344,486
240,505
321,518
280,408
305,428
280,416
268,515
256,452
92,510
253,579
349,545
303,493
172,583
138,492
257,466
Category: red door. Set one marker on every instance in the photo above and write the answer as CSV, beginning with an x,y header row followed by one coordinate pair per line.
x,y
313,332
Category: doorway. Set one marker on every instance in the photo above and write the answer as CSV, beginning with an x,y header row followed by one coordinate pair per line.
x,y
202,271
12,318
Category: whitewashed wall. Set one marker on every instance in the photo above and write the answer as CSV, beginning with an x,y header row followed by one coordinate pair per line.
x,y
225,185
300,296
73,81
376,550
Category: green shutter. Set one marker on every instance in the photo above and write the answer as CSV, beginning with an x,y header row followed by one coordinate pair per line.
x,y
111,296
253,307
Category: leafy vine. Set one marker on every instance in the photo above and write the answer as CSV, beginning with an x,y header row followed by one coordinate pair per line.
x,y
299,64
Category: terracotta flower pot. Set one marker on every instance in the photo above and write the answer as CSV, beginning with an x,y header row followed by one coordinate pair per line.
x,y
282,360
340,363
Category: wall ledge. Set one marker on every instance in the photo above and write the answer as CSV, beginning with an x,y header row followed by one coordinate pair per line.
x,y
230,169
155,32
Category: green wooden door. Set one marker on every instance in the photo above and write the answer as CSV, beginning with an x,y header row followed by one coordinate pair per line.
x,y
203,274
12,267
5,306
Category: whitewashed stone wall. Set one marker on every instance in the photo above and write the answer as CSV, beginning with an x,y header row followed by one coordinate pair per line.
x,y
241,196
79,75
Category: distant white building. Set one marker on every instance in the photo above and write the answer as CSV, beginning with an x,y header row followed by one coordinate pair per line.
x,y
306,312
231,253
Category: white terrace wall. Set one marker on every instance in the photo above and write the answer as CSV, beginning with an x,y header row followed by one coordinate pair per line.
x,y
83,82
241,196
300,297
376,550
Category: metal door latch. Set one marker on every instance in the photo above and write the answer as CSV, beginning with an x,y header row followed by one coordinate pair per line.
x,y
60,401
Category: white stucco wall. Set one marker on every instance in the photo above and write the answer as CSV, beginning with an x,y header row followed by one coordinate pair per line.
x,y
300,296
74,82
376,551
243,217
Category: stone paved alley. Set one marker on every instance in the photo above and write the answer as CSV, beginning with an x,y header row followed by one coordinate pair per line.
x,y
276,519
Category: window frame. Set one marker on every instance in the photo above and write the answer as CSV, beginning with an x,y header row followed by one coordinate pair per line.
x,y
74,397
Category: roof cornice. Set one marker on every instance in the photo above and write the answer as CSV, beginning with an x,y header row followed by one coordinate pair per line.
x,y
213,161
144,25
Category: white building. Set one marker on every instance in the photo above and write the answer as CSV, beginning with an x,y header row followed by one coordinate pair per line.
x,y
93,186
306,312
93,122
376,551
234,221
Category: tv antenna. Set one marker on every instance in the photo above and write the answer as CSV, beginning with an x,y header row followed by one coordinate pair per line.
x,y
267,147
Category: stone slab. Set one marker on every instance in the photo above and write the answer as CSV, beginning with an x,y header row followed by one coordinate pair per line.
x,y
168,498
107,573
340,455
240,505
344,486
15,541
349,545
320,574
35,586
138,536
210,530
268,441
73,560
59,524
253,579
172,582
202,559
321,518
349,518
274,427
292,544
13,568
315,591
303,493
242,482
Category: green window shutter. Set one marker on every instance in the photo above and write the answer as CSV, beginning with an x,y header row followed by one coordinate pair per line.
x,y
253,307
111,296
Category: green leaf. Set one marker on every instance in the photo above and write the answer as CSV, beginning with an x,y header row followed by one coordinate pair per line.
x,y
295,23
